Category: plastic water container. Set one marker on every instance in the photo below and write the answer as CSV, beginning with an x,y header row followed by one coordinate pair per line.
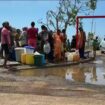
x,y
30,59
18,52
43,59
29,49
23,58
39,60
76,57
70,57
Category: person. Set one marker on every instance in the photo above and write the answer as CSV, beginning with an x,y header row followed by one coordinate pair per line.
x,y
1,50
57,46
12,36
68,45
5,41
32,35
44,36
95,45
0,33
51,42
73,42
46,49
81,42
17,37
63,37
23,37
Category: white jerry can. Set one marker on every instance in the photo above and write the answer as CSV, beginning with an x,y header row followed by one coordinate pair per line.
x,y
70,57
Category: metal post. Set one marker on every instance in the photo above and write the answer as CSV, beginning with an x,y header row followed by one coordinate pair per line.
x,y
77,23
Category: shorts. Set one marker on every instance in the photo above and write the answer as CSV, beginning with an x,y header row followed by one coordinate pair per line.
x,y
5,48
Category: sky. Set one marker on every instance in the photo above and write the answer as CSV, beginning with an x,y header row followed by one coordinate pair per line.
x,y
20,13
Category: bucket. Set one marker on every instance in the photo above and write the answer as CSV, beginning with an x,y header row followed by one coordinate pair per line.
x,y
39,60
18,52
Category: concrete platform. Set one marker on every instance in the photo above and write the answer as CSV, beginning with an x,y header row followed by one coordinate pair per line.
x,y
9,62
19,66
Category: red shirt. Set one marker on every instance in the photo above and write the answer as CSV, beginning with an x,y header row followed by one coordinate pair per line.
x,y
32,33
5,36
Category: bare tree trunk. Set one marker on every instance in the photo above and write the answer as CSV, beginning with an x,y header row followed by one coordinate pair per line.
x,y
66,27
57,27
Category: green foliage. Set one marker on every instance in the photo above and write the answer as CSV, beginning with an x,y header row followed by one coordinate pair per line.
x,y
92,4
66,12
90,36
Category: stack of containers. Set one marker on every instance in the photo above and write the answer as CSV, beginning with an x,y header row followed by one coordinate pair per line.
x,y
73,56
31,58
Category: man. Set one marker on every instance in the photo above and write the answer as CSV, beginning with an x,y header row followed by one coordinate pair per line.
x,y
5,41
81,42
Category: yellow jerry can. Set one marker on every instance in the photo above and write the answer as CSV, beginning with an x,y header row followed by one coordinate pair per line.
x,y
30,59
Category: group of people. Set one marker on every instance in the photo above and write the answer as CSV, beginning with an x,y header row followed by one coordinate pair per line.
x,y
50,43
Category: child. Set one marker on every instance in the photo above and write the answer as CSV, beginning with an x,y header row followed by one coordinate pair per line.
x,y
46,49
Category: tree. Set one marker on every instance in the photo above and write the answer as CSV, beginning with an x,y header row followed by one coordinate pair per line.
x,y
66,13
92,4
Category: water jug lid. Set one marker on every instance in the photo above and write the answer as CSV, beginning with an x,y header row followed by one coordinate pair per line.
x,y
37,53
29,47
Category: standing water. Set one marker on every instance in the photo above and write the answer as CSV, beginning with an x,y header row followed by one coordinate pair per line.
x,y
91,73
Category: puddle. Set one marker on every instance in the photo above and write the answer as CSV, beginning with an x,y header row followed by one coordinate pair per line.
x,y
98,62
90,75
82,74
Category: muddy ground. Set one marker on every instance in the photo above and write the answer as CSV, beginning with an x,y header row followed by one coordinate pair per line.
x,y
46,89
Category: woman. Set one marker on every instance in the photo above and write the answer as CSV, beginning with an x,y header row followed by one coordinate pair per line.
x,y
81,42
57,46
32,35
